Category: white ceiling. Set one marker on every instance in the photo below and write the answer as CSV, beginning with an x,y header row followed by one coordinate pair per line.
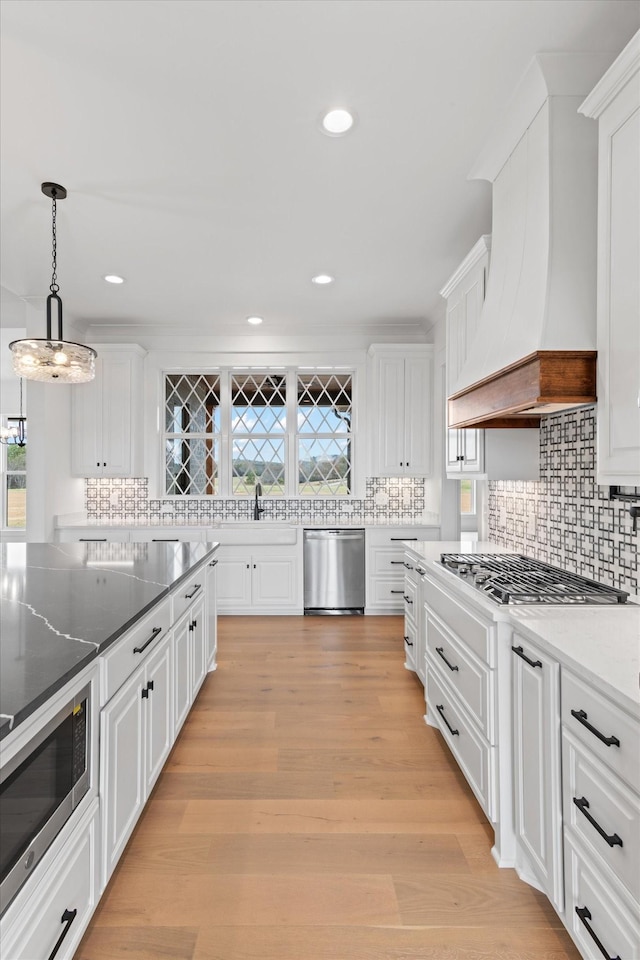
x,y
186,132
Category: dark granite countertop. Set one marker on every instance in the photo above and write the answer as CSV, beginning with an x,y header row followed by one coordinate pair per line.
x,y
63,604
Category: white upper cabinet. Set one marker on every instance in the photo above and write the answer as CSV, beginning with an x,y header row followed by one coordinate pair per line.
x,y
400,408
615,101
106,416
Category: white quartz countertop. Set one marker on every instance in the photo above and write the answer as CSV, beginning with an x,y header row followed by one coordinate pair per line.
x,y
599,643
69,522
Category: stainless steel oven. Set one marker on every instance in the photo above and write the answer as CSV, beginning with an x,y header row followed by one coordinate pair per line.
x,y
39,789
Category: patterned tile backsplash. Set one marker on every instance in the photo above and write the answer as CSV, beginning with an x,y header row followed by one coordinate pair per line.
x,y
397,498
565,518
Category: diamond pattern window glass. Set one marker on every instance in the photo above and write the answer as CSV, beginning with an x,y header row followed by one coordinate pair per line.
x,y
324,437
191,434
258,433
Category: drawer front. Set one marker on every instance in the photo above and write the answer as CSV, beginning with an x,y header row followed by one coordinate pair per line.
x,y
187,592
472,631
410,645
127,654
470,677
386,593
387,562
474,755
613,807
392,536
593,718
410,598
615,927
64,902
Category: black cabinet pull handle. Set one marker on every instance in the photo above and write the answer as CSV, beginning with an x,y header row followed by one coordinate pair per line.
x,y
408,642
145,693
581,717
188,596
523,656
440,709
397,591
92,539
67,918
154,634
213,563
420,571
397,563
407,565
583,806
150,685
403,538
440,650
585,914
165,540
408,599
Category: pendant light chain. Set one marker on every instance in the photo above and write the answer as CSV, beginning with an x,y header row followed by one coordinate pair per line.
x,y
54,263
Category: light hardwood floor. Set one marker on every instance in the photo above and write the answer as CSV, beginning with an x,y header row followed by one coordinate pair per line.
x,y
308,813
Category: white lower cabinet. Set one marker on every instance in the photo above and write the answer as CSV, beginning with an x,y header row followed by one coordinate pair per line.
x,y
385,565
536,769
266,580
136,734
212,616
190,659
58,911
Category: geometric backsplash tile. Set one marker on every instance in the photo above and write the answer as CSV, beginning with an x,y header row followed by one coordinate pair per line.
x,y
565,518
396,498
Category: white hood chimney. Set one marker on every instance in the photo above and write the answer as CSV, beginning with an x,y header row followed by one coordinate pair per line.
x,y
540,306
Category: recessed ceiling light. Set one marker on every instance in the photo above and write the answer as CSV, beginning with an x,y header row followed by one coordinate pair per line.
x,y
254,320
114,278
337,122
322,278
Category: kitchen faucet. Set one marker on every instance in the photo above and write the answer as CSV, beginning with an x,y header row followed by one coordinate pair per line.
x,y
257,509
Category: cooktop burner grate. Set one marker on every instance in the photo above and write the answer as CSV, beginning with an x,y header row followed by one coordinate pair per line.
x,y
513,578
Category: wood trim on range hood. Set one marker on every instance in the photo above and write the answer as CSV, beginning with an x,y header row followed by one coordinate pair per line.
x,y
518,395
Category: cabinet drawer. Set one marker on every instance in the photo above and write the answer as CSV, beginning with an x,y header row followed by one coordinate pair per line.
x,y
386,561
386,593
64,901
590,716
187,592
127,654
411,599
410,645
470,677
613,807
474,755
615,927
473,632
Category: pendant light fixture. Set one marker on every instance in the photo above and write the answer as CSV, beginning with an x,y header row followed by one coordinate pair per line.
x,y
51,360
15,435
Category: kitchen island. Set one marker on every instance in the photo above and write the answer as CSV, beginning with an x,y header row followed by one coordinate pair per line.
x,y
64,604
121,635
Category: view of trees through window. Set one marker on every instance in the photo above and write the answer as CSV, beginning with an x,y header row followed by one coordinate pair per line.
x,y
15,484
263,431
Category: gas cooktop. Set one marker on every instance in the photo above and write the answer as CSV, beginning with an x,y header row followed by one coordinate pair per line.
x,y
513,578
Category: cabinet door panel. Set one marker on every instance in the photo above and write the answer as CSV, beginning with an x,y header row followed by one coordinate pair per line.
x,y
274,583
158,713
417,417
390,405
86,427
122,766
181,672
233,583
198,645
536,722
116,417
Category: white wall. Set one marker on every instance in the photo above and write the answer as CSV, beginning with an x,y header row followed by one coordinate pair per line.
x,y
9,383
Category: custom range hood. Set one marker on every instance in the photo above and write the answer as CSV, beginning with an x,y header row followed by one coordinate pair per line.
x,y
533,352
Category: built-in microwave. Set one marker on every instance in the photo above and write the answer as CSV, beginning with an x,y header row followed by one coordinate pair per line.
x,y
40,788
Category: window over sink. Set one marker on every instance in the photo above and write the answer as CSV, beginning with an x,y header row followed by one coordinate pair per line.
x,y
290,430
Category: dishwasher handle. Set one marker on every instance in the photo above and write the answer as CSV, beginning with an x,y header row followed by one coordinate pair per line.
x,y
331,535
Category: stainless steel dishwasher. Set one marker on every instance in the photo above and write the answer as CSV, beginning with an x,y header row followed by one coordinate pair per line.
x,y
334,571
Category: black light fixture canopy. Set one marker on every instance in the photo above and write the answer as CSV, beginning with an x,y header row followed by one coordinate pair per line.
x,y
53,360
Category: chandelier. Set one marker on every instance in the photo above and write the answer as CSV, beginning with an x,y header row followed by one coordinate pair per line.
x,y
53,360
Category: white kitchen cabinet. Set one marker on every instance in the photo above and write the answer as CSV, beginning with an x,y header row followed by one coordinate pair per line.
x,y
400,405
615,102
136,734
212,617
601,808
385,566
261,580
510,454
190,651
60,906
106,416
92,535
536,759
414,633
